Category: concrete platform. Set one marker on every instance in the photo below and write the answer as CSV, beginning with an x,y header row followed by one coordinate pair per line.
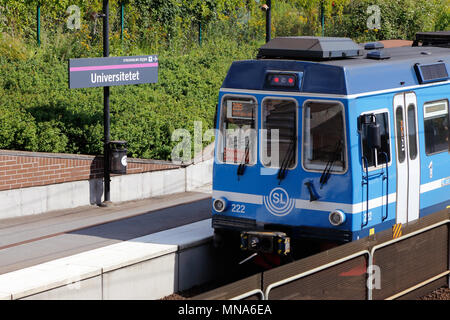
x,y
27,241
26,228
144,249
148,267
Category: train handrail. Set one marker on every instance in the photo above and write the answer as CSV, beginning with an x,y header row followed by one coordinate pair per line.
x,y
386,158
315,270
249,294
404,237
366,164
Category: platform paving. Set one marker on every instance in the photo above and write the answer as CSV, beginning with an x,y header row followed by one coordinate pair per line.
x,y
134,250
31,240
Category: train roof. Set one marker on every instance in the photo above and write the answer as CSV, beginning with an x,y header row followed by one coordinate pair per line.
x,y
339,66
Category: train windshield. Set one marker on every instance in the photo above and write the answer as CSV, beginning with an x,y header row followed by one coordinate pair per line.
x,y
323,136
279,133
238,130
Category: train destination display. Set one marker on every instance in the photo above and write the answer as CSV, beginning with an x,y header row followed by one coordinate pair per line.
x,y
112,71
240,110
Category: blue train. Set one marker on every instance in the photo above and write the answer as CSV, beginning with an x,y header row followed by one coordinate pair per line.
x,y
322,138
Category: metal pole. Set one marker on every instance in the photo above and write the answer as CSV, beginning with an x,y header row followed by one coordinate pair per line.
x,y
200,33
38,19
322,12
268,20
122,17
106,116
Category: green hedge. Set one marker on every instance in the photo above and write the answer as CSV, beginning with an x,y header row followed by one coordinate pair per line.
x,y
38,112
400,19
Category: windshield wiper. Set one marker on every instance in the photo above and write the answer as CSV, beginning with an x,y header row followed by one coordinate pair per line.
x,y
287,160
327,171
242,165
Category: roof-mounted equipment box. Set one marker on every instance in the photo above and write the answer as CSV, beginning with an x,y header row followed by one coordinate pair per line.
x,y
433,39
309,48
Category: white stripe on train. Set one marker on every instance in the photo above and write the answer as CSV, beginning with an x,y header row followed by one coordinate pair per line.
x,y
329,206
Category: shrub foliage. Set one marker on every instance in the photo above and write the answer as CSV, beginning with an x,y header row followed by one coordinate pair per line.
x,y
38,112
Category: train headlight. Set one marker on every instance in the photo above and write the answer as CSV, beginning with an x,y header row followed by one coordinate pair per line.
x,y
336,218
220,204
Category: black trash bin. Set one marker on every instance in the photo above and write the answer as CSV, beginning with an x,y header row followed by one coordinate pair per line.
x,y
118,157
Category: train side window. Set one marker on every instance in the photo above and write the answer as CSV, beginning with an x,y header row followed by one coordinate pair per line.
x,y
324,136
400,124
412,131
279,132
382,118
436,123
238,130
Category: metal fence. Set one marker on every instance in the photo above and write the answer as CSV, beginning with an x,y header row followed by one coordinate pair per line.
x,y
374,268
341,279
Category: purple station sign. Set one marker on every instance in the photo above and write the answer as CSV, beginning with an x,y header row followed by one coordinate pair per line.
x,y
112,71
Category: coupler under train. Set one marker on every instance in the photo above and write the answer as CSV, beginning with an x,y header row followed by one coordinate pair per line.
x,y
266,242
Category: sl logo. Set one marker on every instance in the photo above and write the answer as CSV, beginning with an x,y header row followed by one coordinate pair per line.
x,y
278,202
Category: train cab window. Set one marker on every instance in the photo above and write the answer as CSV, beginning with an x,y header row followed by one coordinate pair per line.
x,y
382,119
279,133
436,123
324,136
238,131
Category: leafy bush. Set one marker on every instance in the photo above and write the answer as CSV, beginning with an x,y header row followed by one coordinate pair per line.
x,y
400,19
12,49
18,131
38,112
64,120
443,17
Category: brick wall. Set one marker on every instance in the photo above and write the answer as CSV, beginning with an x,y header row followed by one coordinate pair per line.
x,y
20,169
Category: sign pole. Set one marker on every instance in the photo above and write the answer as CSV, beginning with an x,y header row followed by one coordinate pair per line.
x,y
268,20
122,18
106,115
322,17
38,20
106,72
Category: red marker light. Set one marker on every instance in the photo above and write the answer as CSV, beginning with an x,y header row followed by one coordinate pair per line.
x,y
282,80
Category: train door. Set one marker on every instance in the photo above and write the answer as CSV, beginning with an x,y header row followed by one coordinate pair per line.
x,y
408,162
375,133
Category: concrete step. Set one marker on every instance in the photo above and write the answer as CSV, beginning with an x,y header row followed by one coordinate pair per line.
x,y
148,267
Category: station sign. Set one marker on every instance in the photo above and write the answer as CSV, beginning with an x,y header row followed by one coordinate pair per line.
x,y
112,71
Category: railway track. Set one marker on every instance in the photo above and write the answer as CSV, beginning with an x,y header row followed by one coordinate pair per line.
x,y
377,268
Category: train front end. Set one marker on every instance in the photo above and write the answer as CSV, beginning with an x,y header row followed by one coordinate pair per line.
x,y
281,168
308,145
